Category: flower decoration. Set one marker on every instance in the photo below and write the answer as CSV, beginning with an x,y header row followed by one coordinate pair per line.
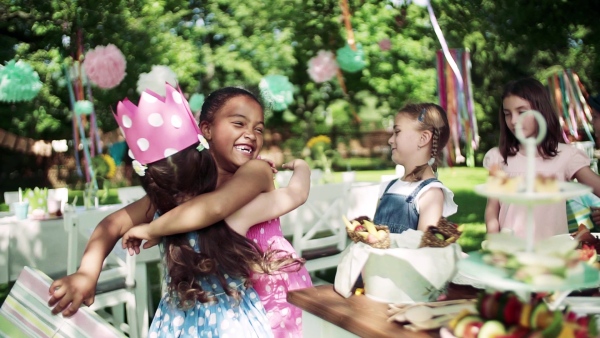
x,y
322,67
318,139
196,102
277,90
139,168
18,82
83,107
105,66
351,60
112,166
385,44
155,80
203,143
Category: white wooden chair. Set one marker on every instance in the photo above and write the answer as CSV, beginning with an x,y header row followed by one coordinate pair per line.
x,y
116,285
128,195
315,176
282,178
319,233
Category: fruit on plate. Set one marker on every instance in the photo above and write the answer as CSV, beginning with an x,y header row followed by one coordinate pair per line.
x,y
491,329
363,230
464,322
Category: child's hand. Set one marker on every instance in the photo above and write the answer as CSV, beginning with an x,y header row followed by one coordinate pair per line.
x,y
133,238
74,289
292,165
271,163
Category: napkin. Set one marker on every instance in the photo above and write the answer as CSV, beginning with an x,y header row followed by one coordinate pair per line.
x,y
402,273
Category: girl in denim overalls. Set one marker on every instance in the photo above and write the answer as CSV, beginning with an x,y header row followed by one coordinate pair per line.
x,y
418,199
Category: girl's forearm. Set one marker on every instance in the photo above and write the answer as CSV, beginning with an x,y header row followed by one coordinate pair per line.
x,y
492,210
249,181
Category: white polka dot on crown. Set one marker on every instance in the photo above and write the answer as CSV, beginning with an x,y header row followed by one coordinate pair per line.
x,y
169,151
130,154
148,98
143,144
126,121
155,120
177,97
176,121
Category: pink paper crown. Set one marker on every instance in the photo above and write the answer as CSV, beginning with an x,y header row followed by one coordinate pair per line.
x,y
157,127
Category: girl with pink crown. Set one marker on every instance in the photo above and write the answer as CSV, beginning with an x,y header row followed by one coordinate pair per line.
x,y
232,122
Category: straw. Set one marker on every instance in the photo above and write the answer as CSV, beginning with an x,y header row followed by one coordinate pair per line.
x,y
20,195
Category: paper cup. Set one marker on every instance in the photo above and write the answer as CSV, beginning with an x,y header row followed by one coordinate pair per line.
x,y
21,209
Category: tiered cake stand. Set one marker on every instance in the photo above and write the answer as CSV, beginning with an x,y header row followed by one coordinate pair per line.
x,y
498,278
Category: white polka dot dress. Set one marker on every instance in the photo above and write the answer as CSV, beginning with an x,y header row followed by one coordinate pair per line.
x,y
227,317
285,319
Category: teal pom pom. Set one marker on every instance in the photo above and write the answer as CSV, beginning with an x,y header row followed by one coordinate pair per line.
x,y
83,107
351,60
18,82
196,102
277,90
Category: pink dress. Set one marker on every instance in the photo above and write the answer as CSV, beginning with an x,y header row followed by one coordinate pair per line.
x,y
285,319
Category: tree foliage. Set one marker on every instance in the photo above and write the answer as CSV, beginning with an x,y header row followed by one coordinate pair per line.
x,y
210,44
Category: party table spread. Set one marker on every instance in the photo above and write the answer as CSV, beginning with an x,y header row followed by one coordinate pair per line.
x,y
325,313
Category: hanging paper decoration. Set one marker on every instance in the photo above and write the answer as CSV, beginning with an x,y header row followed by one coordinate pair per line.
x,y
385,44
457,101
351,60
277,90
18,82
421,3
575,115
83,107
196,102
322,67
105,66
155,80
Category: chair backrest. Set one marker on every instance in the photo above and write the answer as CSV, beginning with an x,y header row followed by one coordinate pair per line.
x,y
11,197
318,223
315,176
129,195
348,176
83,224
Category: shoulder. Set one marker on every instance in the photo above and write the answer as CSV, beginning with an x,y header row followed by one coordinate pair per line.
x,y
492,157
256,166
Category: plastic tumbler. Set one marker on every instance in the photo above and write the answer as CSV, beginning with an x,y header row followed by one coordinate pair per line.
x,y
21,209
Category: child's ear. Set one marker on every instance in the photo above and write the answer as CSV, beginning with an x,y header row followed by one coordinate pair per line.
x,y
206,130
425,138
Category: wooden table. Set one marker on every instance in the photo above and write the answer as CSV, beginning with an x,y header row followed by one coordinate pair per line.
x,y
327,314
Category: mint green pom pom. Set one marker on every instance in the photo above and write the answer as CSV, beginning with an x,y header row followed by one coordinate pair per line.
x,y
18,82
277,90
83,107
351,60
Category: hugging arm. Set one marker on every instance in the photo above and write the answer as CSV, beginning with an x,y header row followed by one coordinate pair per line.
x,y
273,204
80,287
251,179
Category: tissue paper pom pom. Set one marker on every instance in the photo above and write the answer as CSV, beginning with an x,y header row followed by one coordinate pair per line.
x,y
351,60
196,102
385,44
155,80
18,82
277,90
83,107
322,67
105,66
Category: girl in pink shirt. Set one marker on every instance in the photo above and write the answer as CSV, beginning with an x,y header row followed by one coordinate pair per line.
x,y
553,158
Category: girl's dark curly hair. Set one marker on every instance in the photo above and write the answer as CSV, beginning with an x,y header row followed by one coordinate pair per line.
x,y
217,99
171,181
534,92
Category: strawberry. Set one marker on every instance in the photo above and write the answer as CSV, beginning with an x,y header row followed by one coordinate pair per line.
x,y
360,228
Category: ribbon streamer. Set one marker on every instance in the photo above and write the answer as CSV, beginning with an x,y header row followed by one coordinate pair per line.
x,y
440,36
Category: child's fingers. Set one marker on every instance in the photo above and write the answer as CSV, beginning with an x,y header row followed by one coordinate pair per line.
x,y
151,243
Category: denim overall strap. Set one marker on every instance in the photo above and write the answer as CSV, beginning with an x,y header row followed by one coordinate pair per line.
x,y
390,185
412,196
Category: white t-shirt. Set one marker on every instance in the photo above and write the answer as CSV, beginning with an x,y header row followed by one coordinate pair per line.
x,y
406,188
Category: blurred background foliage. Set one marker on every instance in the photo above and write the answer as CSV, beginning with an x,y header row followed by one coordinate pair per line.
x,y
214,43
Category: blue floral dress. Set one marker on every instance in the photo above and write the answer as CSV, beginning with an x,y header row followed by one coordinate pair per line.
x,y
225,318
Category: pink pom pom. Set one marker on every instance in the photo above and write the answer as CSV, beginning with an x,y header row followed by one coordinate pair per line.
x,y
322,67
385,44
105,66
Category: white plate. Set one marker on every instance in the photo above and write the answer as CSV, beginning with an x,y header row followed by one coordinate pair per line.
x,y
498,278
583,305
567,190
